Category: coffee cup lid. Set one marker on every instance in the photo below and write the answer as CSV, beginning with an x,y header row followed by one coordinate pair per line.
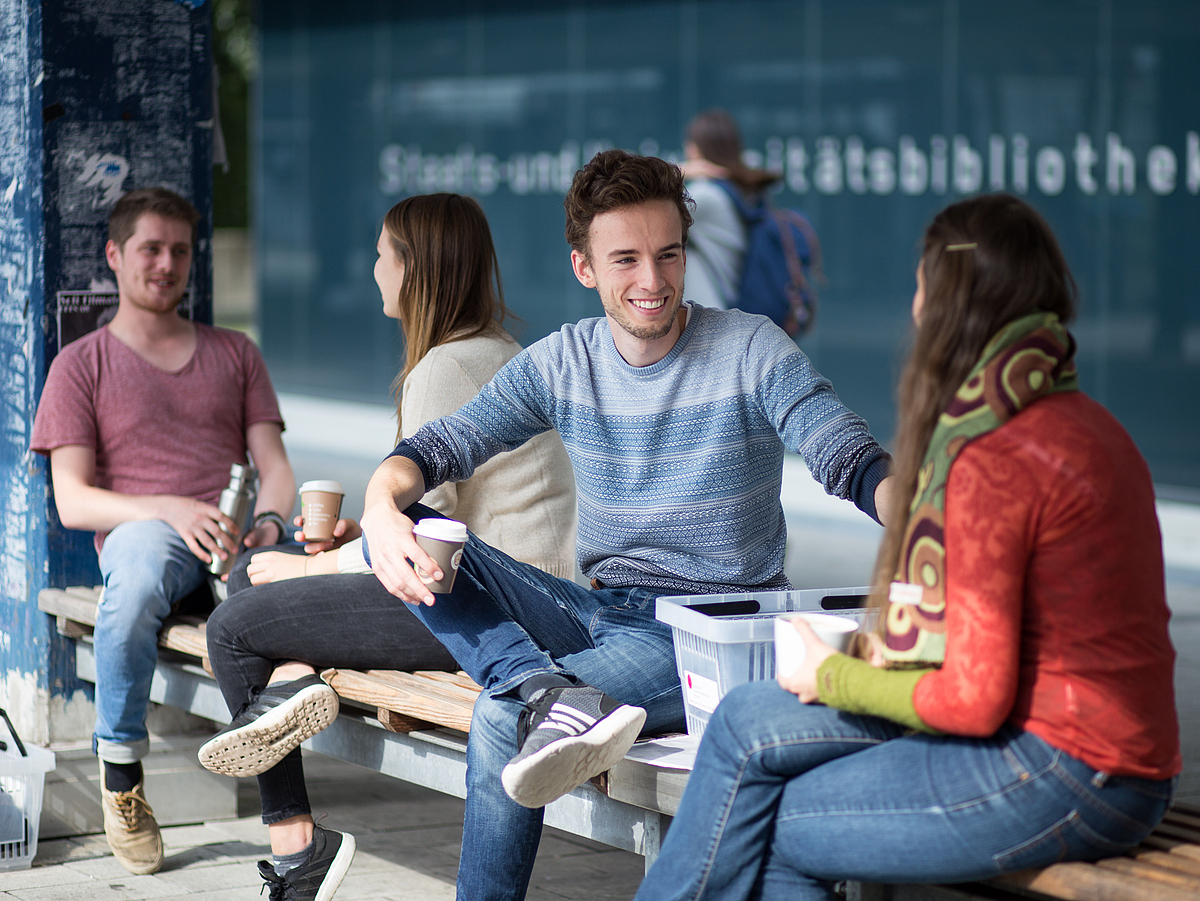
x,y
441,529
322,485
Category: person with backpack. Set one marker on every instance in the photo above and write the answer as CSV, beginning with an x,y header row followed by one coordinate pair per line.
x,y
743,252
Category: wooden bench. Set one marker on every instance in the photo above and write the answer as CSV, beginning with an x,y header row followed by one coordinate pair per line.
x,y
413,726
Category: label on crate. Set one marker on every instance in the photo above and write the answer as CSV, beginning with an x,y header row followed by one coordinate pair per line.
x,y
699,692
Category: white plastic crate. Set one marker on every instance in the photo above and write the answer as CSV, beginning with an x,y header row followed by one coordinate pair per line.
x,y
22,780
724,640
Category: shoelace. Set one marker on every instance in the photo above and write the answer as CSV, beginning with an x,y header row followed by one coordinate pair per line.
x,y
132,809
273,881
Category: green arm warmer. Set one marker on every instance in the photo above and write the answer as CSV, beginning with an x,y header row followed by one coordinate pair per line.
x,y
855,686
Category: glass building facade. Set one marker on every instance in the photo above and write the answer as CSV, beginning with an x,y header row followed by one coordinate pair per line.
x,y
877,114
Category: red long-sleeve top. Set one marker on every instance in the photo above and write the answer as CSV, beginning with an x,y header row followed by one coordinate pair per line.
x,y
1056,613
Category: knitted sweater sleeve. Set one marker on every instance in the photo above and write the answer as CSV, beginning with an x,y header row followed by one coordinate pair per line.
x,y
855,686
507,412
812,421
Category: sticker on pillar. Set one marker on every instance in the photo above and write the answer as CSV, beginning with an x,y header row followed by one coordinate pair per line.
x,y
79,313
105,171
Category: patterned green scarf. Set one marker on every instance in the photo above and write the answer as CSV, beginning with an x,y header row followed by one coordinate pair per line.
x,y
1026,360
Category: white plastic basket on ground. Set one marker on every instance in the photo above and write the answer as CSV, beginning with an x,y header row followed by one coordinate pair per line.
x,y
23,770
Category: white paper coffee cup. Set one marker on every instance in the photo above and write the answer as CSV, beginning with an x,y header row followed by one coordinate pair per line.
x,y
790,651
320,505
443,540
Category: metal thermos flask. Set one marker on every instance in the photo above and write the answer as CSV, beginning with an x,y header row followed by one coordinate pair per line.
x,y
237,502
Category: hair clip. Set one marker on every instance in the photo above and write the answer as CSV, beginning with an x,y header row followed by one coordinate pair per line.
x,y
970,246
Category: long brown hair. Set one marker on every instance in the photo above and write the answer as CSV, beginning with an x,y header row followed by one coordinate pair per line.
x,y
987,261
451,288
716,136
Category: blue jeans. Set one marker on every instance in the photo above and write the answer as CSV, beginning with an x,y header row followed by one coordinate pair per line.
x,y
147,568
504,622
786,797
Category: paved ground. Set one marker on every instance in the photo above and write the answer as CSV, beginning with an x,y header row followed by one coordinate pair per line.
x,y
408,844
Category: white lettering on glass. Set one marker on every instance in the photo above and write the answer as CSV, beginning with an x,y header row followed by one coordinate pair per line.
x,y
1020,164
1085,157
1161,167
914,167
1050,171
1120,168
834,166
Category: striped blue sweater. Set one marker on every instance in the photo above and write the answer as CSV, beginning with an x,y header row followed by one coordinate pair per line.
x,y
679,464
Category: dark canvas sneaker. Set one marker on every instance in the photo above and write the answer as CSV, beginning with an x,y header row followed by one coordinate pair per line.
x,y
567,736
318,879
265,730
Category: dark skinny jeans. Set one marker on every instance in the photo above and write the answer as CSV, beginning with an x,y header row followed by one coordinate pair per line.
x,y
346,620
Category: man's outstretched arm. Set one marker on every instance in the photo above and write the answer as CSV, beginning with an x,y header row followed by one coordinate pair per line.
x,y
81,505
387,532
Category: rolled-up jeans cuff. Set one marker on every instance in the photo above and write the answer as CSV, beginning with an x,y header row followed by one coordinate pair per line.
x,y
287,813
121,752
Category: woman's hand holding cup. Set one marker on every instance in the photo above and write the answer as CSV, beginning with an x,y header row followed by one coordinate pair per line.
x,y
799,651
344,531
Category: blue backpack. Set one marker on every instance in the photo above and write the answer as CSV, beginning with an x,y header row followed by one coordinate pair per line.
x,y
781,249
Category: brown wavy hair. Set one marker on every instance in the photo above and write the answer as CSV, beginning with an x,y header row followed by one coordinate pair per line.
x,y
451,289
1014,268
716,136
614,179
122,221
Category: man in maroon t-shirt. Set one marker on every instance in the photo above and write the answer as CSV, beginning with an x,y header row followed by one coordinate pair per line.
x,y
141,420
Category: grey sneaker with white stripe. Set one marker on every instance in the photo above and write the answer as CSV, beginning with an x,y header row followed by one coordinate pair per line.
x,y
567,736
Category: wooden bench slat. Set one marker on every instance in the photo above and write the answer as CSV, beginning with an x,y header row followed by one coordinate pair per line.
x,y
1162,843
187,635
451,685
396,722
71,628
70,603
459,678
1183,833
1185,820
1153,872
1182,807
1167,859
414,696
1088,882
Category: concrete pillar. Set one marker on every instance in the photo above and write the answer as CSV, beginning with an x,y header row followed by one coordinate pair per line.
x,y
97,98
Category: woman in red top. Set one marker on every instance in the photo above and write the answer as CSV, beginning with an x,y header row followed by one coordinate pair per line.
x,y
1017,708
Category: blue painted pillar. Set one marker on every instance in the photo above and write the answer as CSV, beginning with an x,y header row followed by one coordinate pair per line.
x,y
97,98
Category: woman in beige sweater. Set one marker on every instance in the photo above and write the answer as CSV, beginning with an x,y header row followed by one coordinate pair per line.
x,y
437,274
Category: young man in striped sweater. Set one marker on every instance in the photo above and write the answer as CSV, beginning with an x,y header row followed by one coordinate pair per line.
x,y
676,418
